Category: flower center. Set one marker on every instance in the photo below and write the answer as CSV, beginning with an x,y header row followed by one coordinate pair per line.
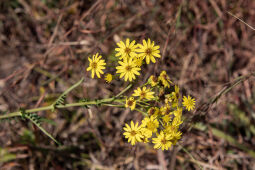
x,y
94,65
190,102
127,50
148,51
152,111
164,76
133,133
128,68
163,141
154,78
142,95
130,103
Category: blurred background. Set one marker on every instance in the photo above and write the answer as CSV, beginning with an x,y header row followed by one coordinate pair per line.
x,y
44,46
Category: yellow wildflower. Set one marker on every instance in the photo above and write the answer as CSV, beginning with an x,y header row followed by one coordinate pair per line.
x,y
130,102
108,78
151,123
144,93
153,111
163,141
176,91
133,133
166,118
149,51
169,128
176,135
146,133
165,110
175,96
161,92
189,103
175,104
128,69
96,65
177,121
178,112
153,80
125,51
138,61
163,77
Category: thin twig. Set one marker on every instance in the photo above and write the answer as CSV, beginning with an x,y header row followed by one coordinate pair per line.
x,y
204,107
241,20
123,91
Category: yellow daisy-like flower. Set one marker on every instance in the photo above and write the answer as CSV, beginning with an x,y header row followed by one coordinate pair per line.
x,y
163,77
161,91
125,51
153,111
177,121
108,78
144,93
133,133
176,135
146,133
128,69
178,112
169,128
130,102
166,118
153,81
149,51
96,65
188,102
176,90
166,109
175,94
138,61
168,98
151,123
163,141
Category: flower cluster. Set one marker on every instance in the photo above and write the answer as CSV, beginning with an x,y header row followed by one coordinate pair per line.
x,y
131,56
130,59
163,105
158,99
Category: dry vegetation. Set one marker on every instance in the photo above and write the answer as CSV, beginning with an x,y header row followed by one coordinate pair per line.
x,y
44,48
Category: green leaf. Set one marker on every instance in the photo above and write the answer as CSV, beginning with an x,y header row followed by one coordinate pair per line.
x,y
36,120
61,99
200,126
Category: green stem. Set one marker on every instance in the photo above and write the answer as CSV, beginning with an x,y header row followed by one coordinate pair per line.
x,y
96,102
114,105
54,106
144,113
14,114
143,103
123,91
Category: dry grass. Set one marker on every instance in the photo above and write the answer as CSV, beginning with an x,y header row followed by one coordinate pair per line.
x,y
44,49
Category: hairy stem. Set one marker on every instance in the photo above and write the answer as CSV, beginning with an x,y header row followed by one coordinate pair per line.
x,y
95,102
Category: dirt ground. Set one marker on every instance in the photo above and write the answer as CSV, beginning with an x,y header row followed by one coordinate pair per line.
x,y
44,46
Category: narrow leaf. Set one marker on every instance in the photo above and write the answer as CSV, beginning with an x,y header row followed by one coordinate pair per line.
x,y
61,98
